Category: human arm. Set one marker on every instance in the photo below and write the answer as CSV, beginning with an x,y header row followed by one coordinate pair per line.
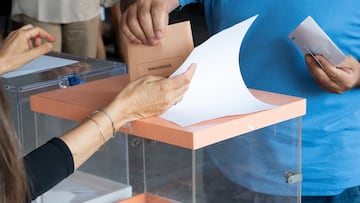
x,y
22,46
115,18
335,79
144,21
146,97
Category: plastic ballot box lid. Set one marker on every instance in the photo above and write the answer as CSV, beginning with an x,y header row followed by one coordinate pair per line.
x,y
77,102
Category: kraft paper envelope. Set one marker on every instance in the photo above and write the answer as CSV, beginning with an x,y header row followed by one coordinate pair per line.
x,y
162,59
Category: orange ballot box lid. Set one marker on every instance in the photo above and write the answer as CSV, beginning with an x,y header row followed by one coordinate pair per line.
x,y
75,103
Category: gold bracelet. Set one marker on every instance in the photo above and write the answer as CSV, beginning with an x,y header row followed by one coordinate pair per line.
x,y
111,120
99,127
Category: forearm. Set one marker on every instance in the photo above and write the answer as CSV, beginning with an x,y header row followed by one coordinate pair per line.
x,y
84,140
145,97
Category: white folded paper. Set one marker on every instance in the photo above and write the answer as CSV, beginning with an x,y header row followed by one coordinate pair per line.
x,y
217,88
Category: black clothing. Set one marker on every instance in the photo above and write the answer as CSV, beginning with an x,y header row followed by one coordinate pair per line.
x,y
47,165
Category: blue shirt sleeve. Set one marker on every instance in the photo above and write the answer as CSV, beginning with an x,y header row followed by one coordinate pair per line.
x,y
185,2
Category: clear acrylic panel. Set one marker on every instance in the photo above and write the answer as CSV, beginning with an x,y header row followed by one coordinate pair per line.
x,y
104,177
19,89
259,166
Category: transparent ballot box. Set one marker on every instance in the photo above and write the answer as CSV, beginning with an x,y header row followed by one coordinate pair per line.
x,y
52,71
230,159
219,172
104,177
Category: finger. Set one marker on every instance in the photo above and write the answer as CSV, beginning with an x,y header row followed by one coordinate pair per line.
x,y
191,71
37,51
30,44
325,63
185,77
160,18
31,54
37,41
331,87
133,26
129,35
316,71
174,87
313,67
311,62
37,32
180,84
349,61
330,70
145,20
25,27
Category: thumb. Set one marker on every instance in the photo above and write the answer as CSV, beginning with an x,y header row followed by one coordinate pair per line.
x,y
327,67
310,61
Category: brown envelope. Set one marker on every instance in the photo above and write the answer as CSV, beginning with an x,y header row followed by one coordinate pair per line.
x,y
162,59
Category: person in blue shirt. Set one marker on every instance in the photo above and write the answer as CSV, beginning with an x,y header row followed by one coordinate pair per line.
x,y
269,61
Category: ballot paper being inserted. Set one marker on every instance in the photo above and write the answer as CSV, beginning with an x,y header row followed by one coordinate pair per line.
x,y
311,39
217,88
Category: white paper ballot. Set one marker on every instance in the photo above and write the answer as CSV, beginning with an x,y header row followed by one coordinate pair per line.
x,y
310,38
217,88
39,64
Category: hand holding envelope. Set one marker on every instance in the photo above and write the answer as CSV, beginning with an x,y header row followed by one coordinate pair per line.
x,y
311,39
327,64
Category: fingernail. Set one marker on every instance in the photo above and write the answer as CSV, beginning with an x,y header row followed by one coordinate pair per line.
x,y
152,41
158,35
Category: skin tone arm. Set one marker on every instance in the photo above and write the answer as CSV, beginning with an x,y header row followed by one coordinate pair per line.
x,y
144,21
335,79
116,22
146,97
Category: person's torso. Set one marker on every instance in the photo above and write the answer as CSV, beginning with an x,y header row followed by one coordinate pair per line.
x,y
270,61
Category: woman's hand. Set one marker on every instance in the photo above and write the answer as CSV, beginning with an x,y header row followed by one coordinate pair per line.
x,y
22,46
149,96
335,79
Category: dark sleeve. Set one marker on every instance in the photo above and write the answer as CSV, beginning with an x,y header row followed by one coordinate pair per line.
x,y
48,165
